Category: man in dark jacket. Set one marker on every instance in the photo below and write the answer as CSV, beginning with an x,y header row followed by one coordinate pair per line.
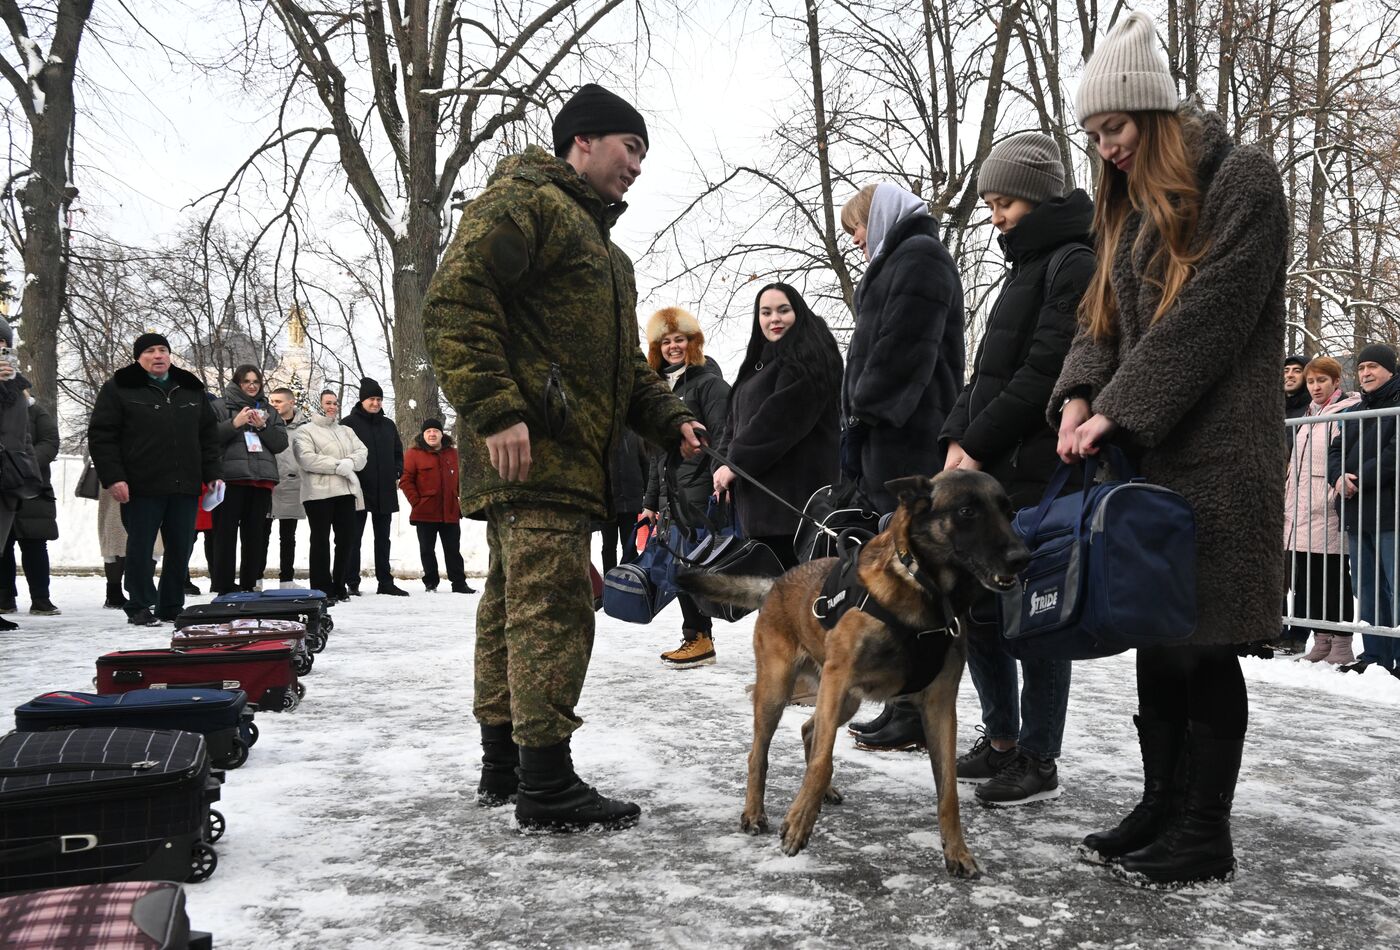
x,y
379,480
1295,392
904,366
154,440
1361,468
36,523
531,325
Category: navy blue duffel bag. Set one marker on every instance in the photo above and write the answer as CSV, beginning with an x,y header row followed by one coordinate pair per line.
x,y
1113,568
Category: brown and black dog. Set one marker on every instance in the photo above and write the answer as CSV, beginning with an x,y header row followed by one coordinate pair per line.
x,y
950,535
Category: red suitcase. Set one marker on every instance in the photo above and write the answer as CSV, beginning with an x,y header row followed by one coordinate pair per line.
x,y
136,915
248,630
262,669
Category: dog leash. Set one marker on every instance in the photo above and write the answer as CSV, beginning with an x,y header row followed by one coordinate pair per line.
x,y
705,447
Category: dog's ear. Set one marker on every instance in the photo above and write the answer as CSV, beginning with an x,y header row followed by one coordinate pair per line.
x,y
911,490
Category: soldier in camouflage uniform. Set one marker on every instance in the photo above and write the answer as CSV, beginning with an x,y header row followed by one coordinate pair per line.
x,y
531,326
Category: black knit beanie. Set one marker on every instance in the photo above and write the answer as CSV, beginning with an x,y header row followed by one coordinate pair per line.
x,y
369,389
595,111
1377,353
1295,360
431,424
145,341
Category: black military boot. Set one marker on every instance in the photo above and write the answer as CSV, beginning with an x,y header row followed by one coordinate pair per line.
x,y
114,571
552,798
1163,787
904,730
1196,845
861,729
499,757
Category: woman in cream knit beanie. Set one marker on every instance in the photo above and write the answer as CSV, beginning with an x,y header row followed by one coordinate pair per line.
x,y
1193,235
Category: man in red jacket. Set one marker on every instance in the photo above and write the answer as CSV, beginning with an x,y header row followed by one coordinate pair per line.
x,y
429,482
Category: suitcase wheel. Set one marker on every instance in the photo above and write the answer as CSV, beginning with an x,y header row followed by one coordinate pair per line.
x,y
290,700
237,757
249,731
315,642
214,826
327,623
302,663
203,861
301,691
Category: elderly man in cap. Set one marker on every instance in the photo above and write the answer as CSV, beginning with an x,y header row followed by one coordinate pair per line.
x,y
532,328
154,440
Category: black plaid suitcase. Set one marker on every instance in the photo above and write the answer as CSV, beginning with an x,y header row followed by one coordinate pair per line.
x,y
134,915
90,806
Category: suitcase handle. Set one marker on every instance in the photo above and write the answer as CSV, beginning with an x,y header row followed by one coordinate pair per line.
x,y
64,844
128,676
143,765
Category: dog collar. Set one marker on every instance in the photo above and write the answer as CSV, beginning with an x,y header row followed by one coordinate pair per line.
x,y
916,573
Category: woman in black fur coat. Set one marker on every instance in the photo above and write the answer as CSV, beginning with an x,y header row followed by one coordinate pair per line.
x,y
784,417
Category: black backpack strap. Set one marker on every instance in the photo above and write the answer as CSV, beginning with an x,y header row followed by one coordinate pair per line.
x,y
1057,260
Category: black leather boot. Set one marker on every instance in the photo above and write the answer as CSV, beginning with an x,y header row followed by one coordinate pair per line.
x,y
1196,845
552,798
1163,787
499,757
902,731
861,729
114,571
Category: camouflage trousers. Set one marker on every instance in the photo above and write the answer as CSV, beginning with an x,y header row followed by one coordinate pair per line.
x,y
534,623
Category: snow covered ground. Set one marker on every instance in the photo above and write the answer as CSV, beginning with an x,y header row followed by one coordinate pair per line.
x,y
354,825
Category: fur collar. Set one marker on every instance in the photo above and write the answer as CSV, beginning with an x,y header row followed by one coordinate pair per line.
x,y
134,377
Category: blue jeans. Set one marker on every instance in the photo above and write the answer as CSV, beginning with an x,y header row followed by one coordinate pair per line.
x,y
1036,722
1373,573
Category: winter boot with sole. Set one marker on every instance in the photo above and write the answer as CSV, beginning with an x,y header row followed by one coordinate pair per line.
x,y
499,758
1196,845
1163,784
697,649
114,570
1321,648
903,732
861,729
983,761
1340,654
552,798
1023,780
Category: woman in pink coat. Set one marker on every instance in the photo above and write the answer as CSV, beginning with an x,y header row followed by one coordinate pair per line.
x,y
1312,531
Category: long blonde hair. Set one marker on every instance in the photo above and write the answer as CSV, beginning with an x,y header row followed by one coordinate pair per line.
x,y
1163,187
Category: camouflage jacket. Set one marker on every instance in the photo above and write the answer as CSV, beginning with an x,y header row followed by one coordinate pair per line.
x,y
531,317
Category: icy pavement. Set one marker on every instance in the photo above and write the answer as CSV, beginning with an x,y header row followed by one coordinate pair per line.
x,y
353,823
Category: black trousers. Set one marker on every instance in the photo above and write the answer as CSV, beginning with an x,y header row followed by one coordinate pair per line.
x,y
1321,586
171,517
616,534
287,549
243,511
324,515
34,554
691,616
383,522
1199,684
451,534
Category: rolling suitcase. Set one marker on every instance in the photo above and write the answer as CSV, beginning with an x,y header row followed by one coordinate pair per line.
x,y
248,630
286,595
312,612
90,806
263,670
221,716
135,915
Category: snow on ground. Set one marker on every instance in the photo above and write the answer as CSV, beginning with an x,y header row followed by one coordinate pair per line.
x,y
354,824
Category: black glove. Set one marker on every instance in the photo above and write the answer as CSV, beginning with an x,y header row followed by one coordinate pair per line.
x,y
853,439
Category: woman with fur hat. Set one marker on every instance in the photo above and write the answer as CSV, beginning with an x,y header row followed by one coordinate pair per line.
x,y
1193,235
676,350
429,482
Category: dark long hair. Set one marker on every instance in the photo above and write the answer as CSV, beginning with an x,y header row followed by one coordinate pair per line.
x,y
809,345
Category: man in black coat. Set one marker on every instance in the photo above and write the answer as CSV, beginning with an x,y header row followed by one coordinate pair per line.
x,y
1361,468
379,480
904,366
36,523
154,441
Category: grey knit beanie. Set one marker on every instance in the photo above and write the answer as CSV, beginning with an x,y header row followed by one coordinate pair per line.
x,y
1128,72
1026,166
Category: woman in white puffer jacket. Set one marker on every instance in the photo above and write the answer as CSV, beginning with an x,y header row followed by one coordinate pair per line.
x,y
329,455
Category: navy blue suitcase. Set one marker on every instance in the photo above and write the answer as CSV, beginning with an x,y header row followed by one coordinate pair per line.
x,y
89,806
221,716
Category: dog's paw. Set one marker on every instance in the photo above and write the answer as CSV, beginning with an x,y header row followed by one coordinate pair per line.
x,y
961,864
796,832
754,824
832,796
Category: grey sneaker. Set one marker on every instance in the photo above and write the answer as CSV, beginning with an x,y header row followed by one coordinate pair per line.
x,y
1023,780
982,762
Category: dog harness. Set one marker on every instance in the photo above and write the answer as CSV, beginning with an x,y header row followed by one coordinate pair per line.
x,y
924,650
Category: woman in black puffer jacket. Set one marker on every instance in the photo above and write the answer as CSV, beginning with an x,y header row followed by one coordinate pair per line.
x,y
676,350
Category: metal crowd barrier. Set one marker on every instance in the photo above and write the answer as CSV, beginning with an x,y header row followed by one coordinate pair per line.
x,y
1340,592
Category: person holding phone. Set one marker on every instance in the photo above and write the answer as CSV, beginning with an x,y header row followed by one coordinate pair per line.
x,y
252,435
14,428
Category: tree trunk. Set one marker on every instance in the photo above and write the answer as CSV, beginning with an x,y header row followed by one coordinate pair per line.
x,y
45,197
823,143
1317,204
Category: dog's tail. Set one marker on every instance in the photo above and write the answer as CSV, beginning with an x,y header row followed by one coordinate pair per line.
x,y
747,592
